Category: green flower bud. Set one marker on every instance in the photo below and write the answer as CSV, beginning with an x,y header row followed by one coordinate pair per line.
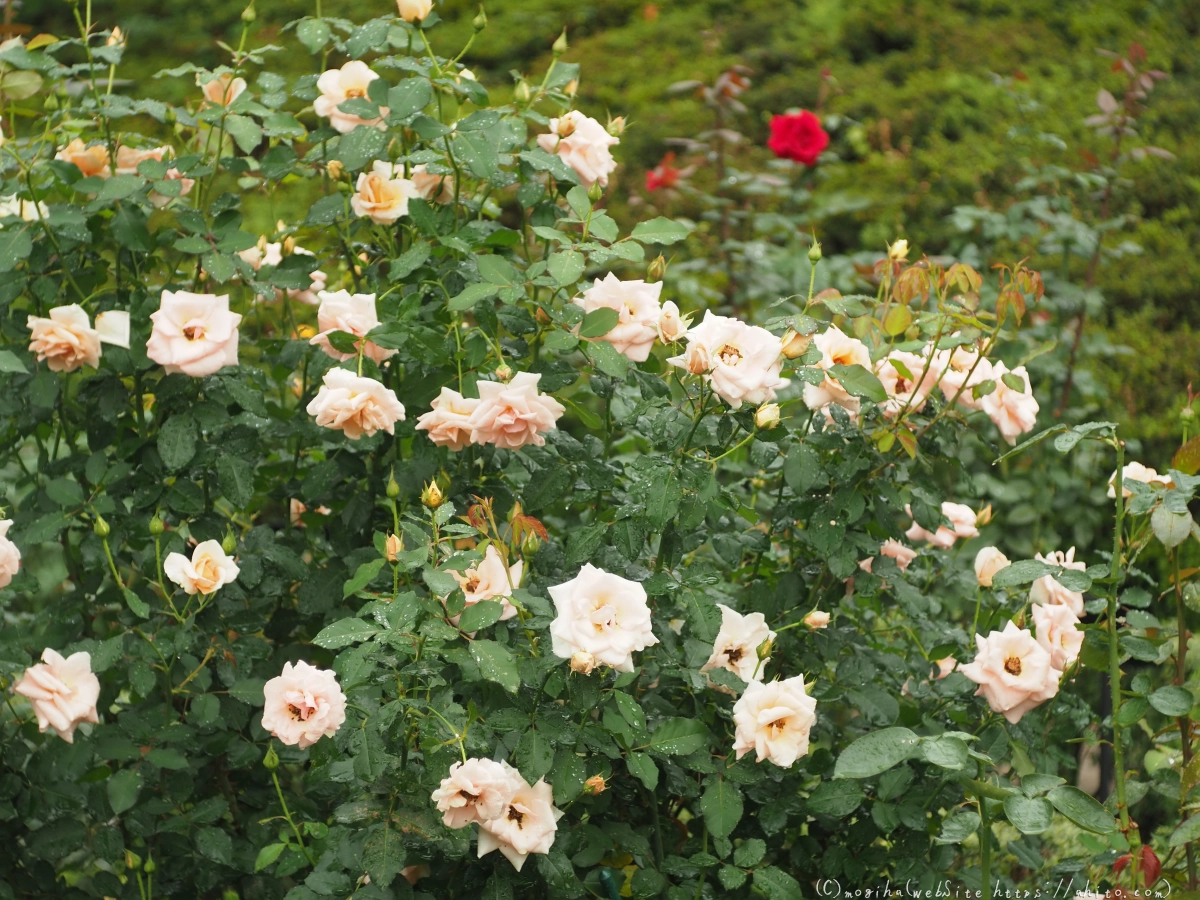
x,y
132,860
560,45
150,866
393,489
480,21
229,543
248,14
657,269
51,102
156,526
1187,414
271,760
521,93
100,527
814,252
595,192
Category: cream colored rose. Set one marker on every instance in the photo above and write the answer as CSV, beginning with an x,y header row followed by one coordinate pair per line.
x,y
817,619
414,10
583,663
908,380
185,188
195,334
475,791
695,360
1047,591
965,369
638,311
514,414
352,313
946,665
27,210
10,556
774,720
90,161
1013,672
962,525
490,580
893,548
1058,634
1014,412
347,402
527,824
602,614
837,349
737,643
1135,471
303,704
583,144
672,326
262,254
62,692
128,158
431,187
988,562
448,421
65,340
312,294
767,416
207,570
223,89
381,195
112,326
745,360
337,86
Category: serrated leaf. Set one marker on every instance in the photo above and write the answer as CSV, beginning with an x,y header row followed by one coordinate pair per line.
x,y
607,359
1083,809
722,806
599,322
660,231
565,266
958,827
859,381
876,752
643,767
267,855
480,615
677,737
363,576
123,789
1030,815
471,295
496,664
1172,701
835,798
346,632
245,131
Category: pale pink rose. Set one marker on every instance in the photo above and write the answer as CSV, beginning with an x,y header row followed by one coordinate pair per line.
x,y
638,311
893,548
303,704
514,414
262,254
90,161
207,570
837,349
946,665
475,791
223,89
744,359
774,720
413,874
602,614
962,525
128,158
490,580
296,511
352,313
1047,591
312,294
448,420
695,359
1014,412
185,188
527,824
339,85
988,562
817,619
10,556
65,340
908,380
355,405
1013,672
583,144
195,334
62,692
431,187
965,369
1058,634
382,195
414,10
672,326
738,642
1135,471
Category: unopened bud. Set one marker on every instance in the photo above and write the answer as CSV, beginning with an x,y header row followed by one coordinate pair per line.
x,y
764,649
393,489
595,192
132,860
817,619
393,546
262,244
150,866
572,87
504,372
289,245
271,760
51,102
814,252
516,512
560,44
432,496
898,252
100,527
984,516
334,168
480,21
657,268
616,127
583,662
595,785
521,92
766,416
248,14
795,344
229,542
1187,414
116,38
156,526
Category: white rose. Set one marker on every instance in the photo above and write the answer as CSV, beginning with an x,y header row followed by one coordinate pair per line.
x,y
448,422
774,720
601,614
672,326
963,369
1014,412
638,312
1013,672
339,85
431,187
490,580
1058,634
14,206
207,570
988,562
737,643
195,334
514,414
62,692
837,349
1047,591
744,360
414,10
583,144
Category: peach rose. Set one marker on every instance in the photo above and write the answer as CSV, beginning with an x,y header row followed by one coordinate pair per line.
x,y
339,85
527,824
988,562
90,161
303,704
195,334
312,294
352,313
583,144
965,369
65,340
296,511
1014,412
128,158
638,311
514,414
774,720
817,619
583,663
414,10
475,791
1013,672
1135,471
27,210
946,665
836,349
262,254
223,89
893,548
737,644
355,405
185,188
207,570
10,556
490,580
381,195
62,692
1058,634
1047,591
672,326
744,359
431,187
908,380
448,421
601,614
962,525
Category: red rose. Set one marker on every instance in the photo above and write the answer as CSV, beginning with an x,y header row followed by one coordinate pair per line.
x,y
798,136
664,175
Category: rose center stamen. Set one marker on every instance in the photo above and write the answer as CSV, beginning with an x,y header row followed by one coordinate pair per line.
x,y
515,815
1012,665
472,584
353,93
729,355
193,332
733,654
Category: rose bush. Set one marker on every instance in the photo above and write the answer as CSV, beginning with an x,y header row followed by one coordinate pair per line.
x,y
673,604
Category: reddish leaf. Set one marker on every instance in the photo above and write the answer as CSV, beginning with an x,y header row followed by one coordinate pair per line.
x,y
1150,865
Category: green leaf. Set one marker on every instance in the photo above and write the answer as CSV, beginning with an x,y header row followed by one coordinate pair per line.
x,y
642,767
269,853
65,492
876,752
215,844
11,363
471,295
123,789
245,131
236,479
835,798
177,441
722,806
802,468
362,577
859,381
1082,809
1186,833
568,776
660,231
480,615
677,737
958,827
1172,528
383,856
362,145
346,632
535,755
136,604
599,322
605,357
1030,815
777,884
580,203
497,270
750,853
118,187
1172,701
945,751
15,245
248,691
129,228
1023,571
565,266
496,664
408,98
313,34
